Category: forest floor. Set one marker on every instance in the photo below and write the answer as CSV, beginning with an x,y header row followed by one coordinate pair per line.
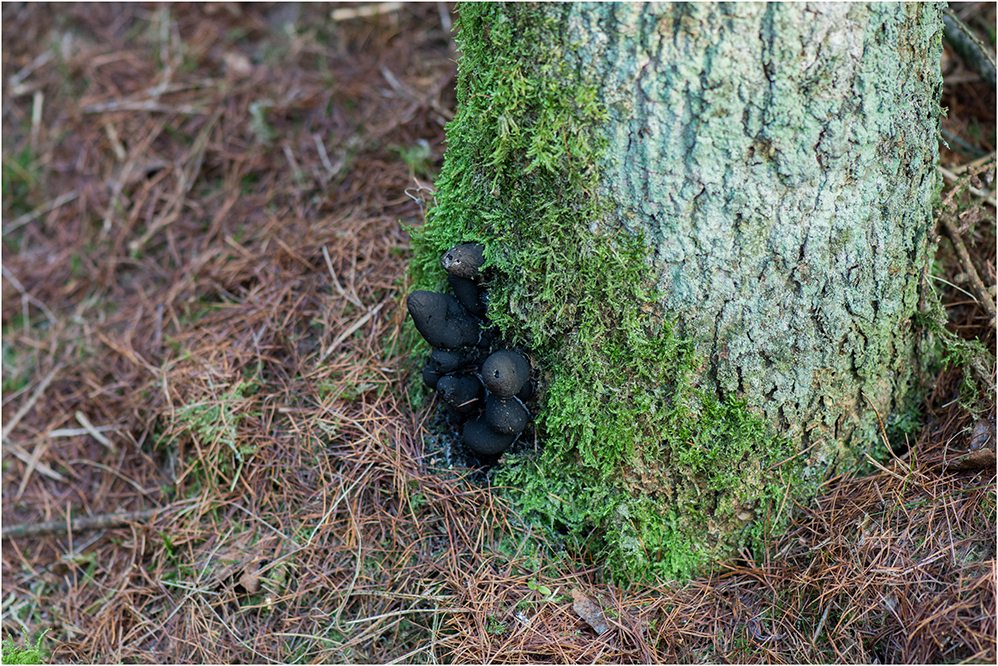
x,y
210,453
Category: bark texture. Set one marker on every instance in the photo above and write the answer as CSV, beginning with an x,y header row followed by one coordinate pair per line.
x,y
709,223
780,161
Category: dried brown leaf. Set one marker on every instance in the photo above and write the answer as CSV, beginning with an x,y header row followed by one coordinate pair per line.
x,y
590,611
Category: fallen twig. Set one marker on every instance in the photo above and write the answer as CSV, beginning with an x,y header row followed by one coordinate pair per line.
x,y
27,296
106,521
150,106
981,161
983,297
963,40
952,177
96,434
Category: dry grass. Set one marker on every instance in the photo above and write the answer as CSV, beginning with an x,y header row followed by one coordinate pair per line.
x,y
224,203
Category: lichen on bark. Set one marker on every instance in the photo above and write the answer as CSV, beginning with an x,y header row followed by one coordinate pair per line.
x,y
709,228
784,175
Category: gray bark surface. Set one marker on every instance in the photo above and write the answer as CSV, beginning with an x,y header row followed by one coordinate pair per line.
x,y
779,158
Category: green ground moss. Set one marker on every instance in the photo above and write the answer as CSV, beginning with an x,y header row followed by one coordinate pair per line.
x,y
637,468
13,654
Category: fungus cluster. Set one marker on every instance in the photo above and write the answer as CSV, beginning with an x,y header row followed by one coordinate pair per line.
x,y
482,382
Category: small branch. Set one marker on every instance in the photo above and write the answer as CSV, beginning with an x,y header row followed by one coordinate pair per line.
x,y
112,136
981,161
963,40
102,522
16,80
73,432
89,427
326,164
37,103
150,106
821,624
952,177
983,297
27,459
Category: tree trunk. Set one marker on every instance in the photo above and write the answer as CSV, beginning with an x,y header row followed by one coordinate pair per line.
x,y
710,224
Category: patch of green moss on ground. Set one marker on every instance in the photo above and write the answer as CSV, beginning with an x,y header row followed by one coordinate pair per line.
x,y
637,468
13,654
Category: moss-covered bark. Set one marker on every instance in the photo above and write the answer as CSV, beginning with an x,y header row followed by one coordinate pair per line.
x,y
709,223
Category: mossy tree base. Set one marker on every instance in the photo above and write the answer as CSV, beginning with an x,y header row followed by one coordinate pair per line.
x,y
709,223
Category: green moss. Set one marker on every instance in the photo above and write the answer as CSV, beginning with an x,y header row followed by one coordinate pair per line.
x,y
217,421
690,479
520,163
638,469
23,655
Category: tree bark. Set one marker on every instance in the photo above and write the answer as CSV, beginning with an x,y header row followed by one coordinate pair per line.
x,y
710,223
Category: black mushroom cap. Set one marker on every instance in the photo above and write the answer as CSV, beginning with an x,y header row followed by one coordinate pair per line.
x,y
505,373
483,393
442,321
464,260
446,361
506,415
485,441
468,294
455,417
526,391
430,377
462,392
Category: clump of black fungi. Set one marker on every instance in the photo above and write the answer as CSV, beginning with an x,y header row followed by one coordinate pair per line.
x,y
482,381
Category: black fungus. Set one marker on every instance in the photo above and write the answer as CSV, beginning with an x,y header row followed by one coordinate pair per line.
x,y
526,391
464,261
483,386
469,295
445,361
506,415
483,440
455,417
462,392
431,377
442,321
505,373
